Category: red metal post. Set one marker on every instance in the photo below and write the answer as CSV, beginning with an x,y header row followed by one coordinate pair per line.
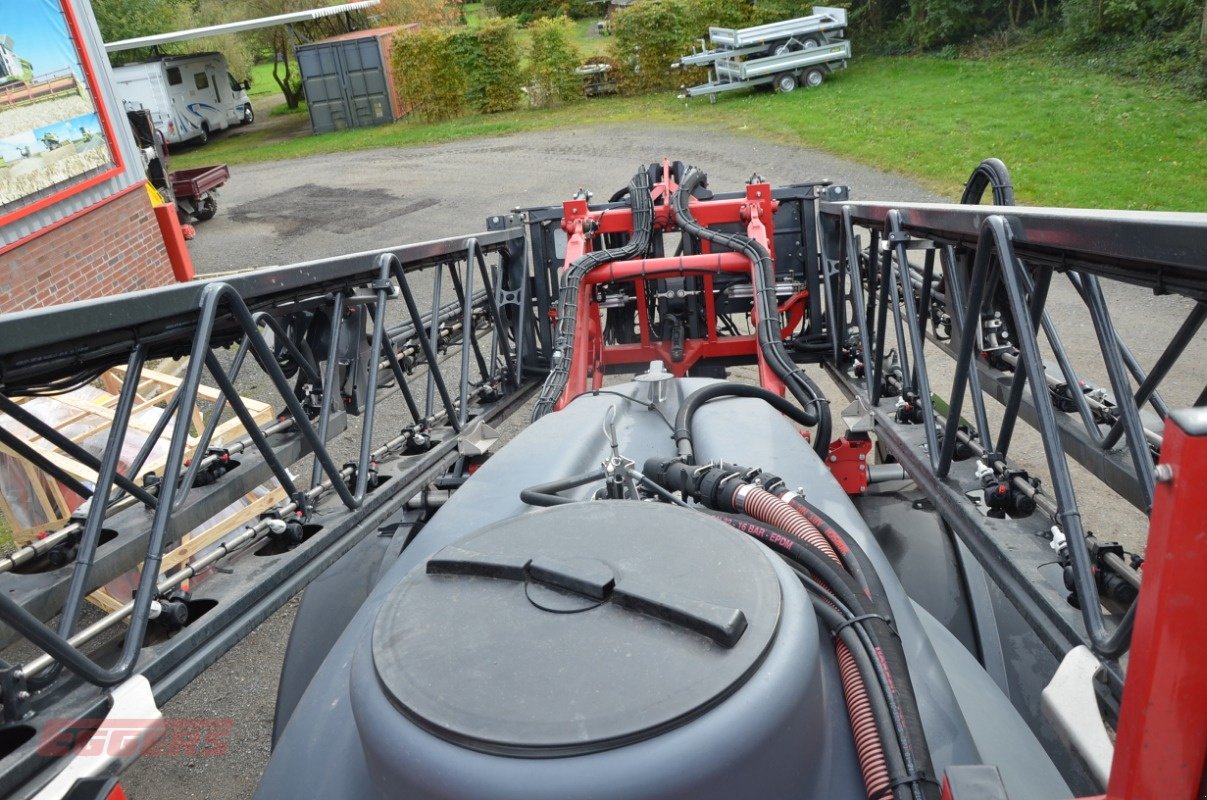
x,y
173,242
1161,743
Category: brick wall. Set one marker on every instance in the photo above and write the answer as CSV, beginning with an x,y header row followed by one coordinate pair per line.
x,y
109,249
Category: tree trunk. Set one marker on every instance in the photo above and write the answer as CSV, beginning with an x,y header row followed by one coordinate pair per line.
x,y
293,95
1203,32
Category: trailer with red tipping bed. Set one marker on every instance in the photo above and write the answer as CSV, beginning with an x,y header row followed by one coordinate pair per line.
x,y
686,576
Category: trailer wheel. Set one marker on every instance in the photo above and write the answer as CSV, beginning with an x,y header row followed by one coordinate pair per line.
x,y
810,43
814,78
785,82
206,209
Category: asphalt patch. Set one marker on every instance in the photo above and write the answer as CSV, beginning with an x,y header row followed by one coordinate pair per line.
x,y
310,206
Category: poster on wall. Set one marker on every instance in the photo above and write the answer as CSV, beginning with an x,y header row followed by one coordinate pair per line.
x,y
52,135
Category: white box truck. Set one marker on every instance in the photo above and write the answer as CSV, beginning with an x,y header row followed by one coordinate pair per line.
x,y
189,96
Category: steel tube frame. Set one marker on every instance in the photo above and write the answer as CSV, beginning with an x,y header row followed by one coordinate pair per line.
x,y
221,304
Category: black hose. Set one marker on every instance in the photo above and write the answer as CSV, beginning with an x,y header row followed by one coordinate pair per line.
x,y
723,494
714,391
771,346
873,674
990,172
874,635
567,303
548,494
893,656
853,556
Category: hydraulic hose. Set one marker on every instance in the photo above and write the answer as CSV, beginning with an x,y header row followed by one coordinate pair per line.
x,y
852,555
872,763
871,727
683,420
766,507
567,303
549,494
990,172
901,754
857,562
806,392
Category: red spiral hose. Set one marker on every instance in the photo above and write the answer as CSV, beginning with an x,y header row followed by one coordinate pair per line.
x,y
872,763
766,507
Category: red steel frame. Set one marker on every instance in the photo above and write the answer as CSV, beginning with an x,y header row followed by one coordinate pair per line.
x,y
1161,746
592,355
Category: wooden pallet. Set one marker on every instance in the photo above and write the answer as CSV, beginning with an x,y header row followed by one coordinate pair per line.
x,y
33,502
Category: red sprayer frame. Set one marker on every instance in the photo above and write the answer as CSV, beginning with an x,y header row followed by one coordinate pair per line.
x,y
583,226
1161,746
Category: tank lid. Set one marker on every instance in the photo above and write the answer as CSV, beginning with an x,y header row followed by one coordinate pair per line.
x,y
577,628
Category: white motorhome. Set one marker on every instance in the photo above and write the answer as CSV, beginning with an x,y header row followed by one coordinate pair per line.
x,y
189,96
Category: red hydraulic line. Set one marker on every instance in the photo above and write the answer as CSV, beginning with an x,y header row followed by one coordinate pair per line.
x,y
667,267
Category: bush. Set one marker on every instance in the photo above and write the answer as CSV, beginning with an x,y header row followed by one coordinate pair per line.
x,y
431,80
647,38
489,57
651,35
444,72
528,10
552,61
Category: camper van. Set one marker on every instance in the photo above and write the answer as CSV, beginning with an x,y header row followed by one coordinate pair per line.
x,y
189,96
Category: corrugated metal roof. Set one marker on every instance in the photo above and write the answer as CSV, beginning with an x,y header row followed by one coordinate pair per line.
x,y
235,27
372,32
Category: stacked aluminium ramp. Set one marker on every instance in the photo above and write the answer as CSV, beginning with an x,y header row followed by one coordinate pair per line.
x,y
782,54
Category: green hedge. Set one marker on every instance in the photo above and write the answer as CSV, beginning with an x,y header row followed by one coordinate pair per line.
x,y
650,35
552,61
443,73
647,37
528,10
490,59
430,78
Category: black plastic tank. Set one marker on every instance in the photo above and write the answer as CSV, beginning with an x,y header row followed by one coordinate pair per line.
x,y
595,650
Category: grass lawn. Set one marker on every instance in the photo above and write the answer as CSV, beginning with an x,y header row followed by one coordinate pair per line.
x,y
1070,137
262,82
6,536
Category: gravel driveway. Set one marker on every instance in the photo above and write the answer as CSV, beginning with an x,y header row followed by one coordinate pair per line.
x,y
323,206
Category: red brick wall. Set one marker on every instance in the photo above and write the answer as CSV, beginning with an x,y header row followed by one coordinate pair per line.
x,y
110,249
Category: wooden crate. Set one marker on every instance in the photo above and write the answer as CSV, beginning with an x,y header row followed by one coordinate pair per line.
x,y
34,502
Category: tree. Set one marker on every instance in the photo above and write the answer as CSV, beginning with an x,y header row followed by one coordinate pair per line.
x,y
425,12
280,40
130,19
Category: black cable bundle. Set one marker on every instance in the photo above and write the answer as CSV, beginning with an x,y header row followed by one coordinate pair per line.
x,y
806,392
567,302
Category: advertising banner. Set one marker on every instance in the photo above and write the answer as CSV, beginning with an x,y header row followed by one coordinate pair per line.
x,y
53,137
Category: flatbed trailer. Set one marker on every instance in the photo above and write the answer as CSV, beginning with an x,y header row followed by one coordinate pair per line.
x,y
784,54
